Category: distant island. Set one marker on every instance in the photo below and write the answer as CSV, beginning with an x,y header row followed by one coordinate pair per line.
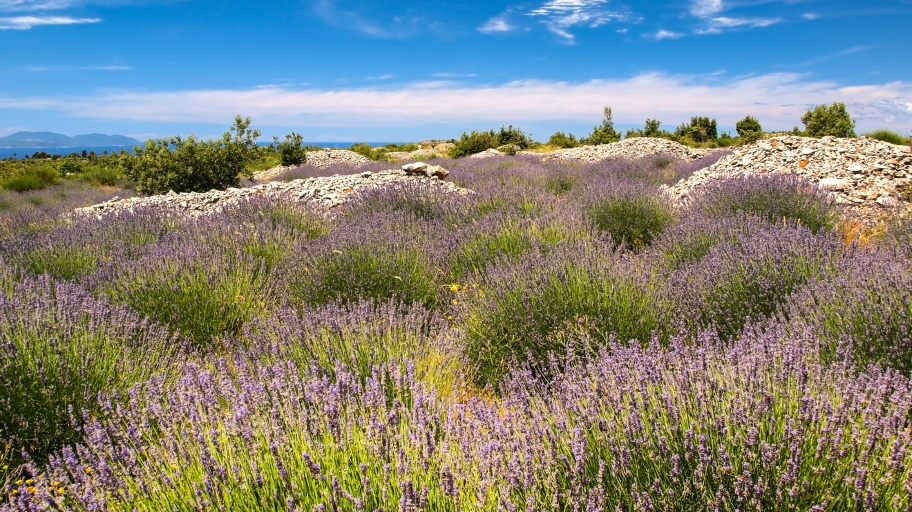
x,y
57,140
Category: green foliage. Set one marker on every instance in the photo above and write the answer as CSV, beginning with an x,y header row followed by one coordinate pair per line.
x,y
886,135
651,129
475,142
604,134
526,314
748,125
514,137
291,150
193,165
60,349
33,178
829,120
700,129
562,140
632,219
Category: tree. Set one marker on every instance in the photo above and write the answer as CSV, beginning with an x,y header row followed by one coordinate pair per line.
x,y
833,120
291,150
652,128
476,142
700,129
562,140
191,164
604,134
513,136
749,130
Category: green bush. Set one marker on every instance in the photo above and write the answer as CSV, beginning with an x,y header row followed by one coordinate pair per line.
x,y
748,125
604,134
562,140
886,135
291,150
69,166
475,142
193,165
832,120
700,129
32,178
629,212
513,137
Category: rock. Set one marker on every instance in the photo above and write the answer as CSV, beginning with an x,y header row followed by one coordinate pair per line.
x,y
833,183
415,168
329,191
633,147
425,170
860,172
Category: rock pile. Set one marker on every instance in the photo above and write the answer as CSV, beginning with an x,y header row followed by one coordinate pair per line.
x,y
861,172
486,154
428,148
330,191
633,147
326,157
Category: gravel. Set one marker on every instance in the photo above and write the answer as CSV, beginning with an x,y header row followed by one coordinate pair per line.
x,y
330,191
863,173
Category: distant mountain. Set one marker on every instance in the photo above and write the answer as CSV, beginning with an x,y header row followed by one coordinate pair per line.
x,y
56,140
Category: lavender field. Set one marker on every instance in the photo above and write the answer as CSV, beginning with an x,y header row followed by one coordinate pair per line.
x,y
562,339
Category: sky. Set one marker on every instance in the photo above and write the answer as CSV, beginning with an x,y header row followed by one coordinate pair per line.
x,y
335,70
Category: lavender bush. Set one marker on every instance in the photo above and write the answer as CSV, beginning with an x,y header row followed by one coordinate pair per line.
x,y
775,197
762,424
489,351
60,347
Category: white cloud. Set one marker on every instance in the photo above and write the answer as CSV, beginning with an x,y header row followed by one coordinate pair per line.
x,y
562,15
705,8
34,5
810,16
671,98
726,22
621,31
666,34
27,22
495,25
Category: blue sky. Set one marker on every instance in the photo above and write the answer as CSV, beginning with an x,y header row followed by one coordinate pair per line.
x,y
397,71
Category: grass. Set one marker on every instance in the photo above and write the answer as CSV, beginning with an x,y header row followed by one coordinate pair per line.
x,y
886,135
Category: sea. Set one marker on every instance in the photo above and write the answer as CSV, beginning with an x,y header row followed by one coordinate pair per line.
x,y
64,151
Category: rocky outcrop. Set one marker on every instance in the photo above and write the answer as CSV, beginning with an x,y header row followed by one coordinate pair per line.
x,y
633,147
861,172
486,154
330,191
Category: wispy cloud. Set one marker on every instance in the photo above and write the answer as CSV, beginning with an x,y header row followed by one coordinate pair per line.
x,y
666,34
495,25
705,8
810,16
27,22
562,15
671,98
717,25
34,5
842,53
382,26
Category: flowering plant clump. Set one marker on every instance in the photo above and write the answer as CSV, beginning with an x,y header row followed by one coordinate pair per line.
x,y
560,338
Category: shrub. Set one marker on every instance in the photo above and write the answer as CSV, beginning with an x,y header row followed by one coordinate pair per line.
x,y
205,293
772,197
749,130
562,140
748,125
380,258
291,150
60,348
358,336
69,166
886,135
32,178
526,308
604,134
748,279
829,120
700,129
513,137
193,165
632,213
101,176
476,142
866,302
